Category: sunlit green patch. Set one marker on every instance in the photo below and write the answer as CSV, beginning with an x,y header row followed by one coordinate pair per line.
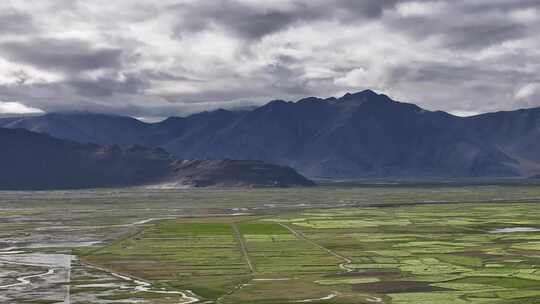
x,y
434,278
348,281
519,294
383,237
494,265
283,220
391,253
373,266
336,224
530,274
467,286
385,260
527,246
435,298
466,261
274,238
505,282
262,229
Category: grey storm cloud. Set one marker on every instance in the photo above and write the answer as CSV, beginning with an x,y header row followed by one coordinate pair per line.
x,y
483,6
109,85
15,22
252,22
172,57
466,26
70,55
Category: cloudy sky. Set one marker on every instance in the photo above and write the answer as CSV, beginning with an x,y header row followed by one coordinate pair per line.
x,y
163,58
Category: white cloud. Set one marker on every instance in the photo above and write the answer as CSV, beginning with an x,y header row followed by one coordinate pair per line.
x,y
12,107
360,78
527,91
415,9
525,15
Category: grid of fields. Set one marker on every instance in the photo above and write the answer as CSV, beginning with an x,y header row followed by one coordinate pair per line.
x,y
172,253
276,251
424,255
447,254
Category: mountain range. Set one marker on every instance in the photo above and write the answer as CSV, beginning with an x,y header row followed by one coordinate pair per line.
x,y
358,135
33,161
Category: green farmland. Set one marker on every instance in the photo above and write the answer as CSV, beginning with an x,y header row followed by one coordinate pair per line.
x,y
401,255
405,244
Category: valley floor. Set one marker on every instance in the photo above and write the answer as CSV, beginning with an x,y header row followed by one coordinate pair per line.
x,y
395,245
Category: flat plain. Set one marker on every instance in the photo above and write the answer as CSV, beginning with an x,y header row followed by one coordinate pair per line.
x,y
332,244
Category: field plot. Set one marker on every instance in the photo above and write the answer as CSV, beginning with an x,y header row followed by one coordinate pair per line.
x,y
276,251
172,253
458,253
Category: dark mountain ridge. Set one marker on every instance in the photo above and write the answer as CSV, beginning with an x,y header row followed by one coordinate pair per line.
x,y
33,161
363,134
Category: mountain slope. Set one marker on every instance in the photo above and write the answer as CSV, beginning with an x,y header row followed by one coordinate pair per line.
x,y
99,129
357,135
235,173
516,133
35,161
32,161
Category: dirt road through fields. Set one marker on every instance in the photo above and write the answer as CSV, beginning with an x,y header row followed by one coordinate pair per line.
x,y
301,236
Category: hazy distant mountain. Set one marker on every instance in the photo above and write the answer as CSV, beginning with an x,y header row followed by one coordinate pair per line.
x,y
30,161
358,135
515,133
84,127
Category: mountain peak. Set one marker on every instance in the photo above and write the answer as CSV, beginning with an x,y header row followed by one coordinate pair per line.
x,y
309,99
364,97
358,96
276,102
364,93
